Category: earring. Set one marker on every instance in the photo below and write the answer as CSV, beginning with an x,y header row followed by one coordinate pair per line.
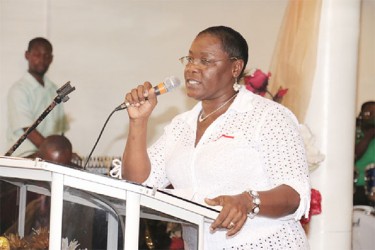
x,y
236,85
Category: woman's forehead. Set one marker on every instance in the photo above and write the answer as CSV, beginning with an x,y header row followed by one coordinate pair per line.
x,y
206,44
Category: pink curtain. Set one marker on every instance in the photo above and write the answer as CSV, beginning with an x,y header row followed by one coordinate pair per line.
x,y
294,59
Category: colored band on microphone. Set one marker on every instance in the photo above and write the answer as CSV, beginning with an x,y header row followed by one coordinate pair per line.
x,y
160,89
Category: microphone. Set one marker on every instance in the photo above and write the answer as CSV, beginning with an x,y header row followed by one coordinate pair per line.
x,y
167,85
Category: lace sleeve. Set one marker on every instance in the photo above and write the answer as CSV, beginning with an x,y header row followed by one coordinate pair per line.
x,y
284,154
158,176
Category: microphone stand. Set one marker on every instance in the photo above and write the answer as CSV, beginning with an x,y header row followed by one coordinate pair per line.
x,y
62,96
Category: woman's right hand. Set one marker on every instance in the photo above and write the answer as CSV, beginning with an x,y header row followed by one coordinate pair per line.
x,y
135,161
141,101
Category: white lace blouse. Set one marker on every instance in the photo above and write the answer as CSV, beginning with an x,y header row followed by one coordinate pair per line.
x,y
255,145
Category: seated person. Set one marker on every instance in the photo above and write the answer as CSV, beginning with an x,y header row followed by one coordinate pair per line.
x,y
364,150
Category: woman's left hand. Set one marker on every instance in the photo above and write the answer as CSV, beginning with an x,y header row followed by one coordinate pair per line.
x,y
233,213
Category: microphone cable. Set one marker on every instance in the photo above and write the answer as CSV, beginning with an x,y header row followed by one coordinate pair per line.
x,y
100,135
167,85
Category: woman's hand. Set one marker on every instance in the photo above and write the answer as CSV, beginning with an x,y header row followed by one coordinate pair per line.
x,y
276,202
140,101
233,214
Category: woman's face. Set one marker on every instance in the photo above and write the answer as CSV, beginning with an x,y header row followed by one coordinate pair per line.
x,y
210,73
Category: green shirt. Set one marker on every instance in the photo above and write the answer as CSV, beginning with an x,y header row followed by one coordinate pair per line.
x,y
367,158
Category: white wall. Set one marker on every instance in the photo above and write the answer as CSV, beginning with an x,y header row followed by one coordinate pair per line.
x,y
366,62
106,47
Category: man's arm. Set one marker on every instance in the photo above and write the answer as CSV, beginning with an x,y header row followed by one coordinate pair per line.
x,y
35,137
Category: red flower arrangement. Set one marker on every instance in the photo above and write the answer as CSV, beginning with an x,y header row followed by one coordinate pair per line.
x,y
315,206
257,82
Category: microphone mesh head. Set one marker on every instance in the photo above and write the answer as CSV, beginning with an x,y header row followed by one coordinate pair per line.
x,y
171,82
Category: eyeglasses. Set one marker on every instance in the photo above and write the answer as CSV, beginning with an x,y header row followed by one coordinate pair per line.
x,y
202,62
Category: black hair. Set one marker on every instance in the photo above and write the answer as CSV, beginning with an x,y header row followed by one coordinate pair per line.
x,y
39,40
232,41
363,107
365,104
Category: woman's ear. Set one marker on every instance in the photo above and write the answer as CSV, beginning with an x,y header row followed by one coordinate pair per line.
x,y
237,68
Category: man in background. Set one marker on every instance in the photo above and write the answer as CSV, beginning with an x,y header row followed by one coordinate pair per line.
x,y
29,97
365,154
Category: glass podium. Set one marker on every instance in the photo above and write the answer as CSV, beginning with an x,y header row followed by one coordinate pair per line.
x,y
57,206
